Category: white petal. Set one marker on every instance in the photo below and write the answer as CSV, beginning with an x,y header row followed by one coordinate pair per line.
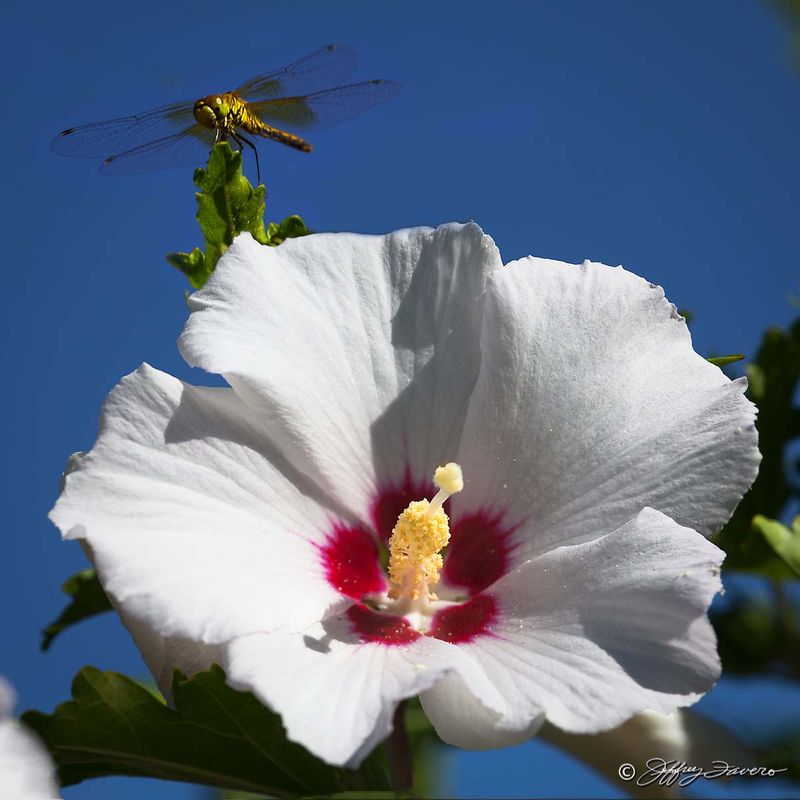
x,y
358,353
591,404
593,633
683,737
464,721
7,699
197,528
26,771
163,655
336,695
25,768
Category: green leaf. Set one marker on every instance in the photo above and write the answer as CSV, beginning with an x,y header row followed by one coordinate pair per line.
x,y
290,228
722,361
783,753
784,541
88,600
749,636
362,796
227,205
215,736
791,14
192,265
353,795
773,377
431,778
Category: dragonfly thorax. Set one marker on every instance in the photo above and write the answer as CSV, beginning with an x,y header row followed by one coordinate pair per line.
x,y
221,111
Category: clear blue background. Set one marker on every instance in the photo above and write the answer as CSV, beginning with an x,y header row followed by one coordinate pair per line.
x,y
661,136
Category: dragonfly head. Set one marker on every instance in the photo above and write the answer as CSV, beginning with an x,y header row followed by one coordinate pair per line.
x,y
212,111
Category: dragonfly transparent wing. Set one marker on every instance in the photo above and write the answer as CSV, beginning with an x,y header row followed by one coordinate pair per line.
x,y
330,66
101,139
321,109
189,147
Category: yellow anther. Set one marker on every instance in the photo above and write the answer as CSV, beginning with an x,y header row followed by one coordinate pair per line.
x,y
421,532
414,561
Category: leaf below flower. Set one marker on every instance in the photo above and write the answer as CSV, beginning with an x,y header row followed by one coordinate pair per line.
x,y
88,600
215,736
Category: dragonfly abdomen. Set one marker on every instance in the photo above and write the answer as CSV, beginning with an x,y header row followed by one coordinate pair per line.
x,y
260,128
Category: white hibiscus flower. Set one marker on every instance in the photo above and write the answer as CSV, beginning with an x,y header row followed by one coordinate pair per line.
x,y
242,525
26,772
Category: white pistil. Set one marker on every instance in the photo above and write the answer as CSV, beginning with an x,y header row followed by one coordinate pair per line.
x,y
450,480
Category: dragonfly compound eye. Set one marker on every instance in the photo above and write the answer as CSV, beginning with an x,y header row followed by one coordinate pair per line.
x,y
211,111
205,114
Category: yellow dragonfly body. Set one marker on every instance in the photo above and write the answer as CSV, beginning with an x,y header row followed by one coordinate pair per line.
x,y
227,113
306,95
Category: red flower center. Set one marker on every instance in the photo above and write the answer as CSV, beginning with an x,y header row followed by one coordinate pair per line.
x,y
479,553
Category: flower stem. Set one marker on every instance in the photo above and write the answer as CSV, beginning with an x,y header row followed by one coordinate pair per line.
x,y
400,752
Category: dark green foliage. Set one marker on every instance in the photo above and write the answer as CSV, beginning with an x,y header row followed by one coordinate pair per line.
x,y
215,736
784,753
773,379
426,749
758,630
790,11
88,600
752,638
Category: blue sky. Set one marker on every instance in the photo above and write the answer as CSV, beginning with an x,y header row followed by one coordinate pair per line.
x,y
660,136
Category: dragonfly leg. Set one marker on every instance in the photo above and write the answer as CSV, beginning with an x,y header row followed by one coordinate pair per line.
x,y
255,153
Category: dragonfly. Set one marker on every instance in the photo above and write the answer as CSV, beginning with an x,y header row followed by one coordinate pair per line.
x,y
306,95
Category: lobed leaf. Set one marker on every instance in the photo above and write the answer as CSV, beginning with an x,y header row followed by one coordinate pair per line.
x,y
227,205
214,735
290,228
